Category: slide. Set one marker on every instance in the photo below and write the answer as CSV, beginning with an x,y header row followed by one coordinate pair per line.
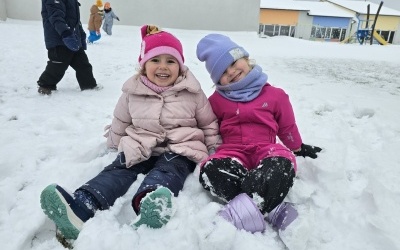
x,y
379,38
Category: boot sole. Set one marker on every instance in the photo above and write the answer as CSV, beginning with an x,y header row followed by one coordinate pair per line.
x,y
155,209
57,209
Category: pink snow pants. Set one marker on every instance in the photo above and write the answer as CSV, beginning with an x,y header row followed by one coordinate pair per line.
x,y
251,155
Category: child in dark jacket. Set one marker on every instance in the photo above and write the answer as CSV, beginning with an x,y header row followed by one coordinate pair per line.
x,y
108,18
65,42
163,126
250,170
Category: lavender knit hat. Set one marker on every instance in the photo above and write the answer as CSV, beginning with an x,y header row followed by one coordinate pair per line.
x,y
219,52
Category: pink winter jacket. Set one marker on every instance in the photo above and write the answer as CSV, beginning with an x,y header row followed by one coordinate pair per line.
x,y
258,121
179,120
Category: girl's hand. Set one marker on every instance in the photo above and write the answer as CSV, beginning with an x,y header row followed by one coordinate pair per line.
x,y
308,151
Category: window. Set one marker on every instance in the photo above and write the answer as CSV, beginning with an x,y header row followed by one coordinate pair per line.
x,y
277,30
269,30
391,36
335,33
343,35
284,30
292,30
318,33
332,33
384,34
328,33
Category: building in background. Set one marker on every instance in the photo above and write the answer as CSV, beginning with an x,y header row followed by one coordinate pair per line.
x,y
328,20
304,19
221,15
393,4
388,22
319,20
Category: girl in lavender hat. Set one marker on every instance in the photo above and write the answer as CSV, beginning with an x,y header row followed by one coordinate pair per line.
x,y
250,171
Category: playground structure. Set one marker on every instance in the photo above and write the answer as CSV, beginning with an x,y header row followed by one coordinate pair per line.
x,y
368,33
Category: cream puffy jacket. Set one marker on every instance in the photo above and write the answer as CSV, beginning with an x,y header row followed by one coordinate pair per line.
x,y
179,120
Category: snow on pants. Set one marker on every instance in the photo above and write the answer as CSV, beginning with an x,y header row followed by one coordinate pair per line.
x,y
168,170
265,171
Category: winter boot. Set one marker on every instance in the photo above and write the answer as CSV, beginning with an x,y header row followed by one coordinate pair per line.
x,y
293,230
244,214
282,215
67,213
97,88
155,209
45,91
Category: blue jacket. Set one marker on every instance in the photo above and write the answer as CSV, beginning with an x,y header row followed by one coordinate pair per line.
x,y
59,16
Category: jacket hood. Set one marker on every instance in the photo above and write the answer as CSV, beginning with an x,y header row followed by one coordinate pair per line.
x,y
94,9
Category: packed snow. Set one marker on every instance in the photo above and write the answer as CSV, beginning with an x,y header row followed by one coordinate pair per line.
x,y
346,99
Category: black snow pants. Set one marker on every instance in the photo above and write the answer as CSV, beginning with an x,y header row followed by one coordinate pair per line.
x,y
60,58
226,178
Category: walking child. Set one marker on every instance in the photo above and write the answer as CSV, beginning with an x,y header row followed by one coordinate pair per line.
x,y
163,126
94,24
250,170
65,42
108,18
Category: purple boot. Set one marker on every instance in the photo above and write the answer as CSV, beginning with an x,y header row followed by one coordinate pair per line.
x,y
243,213
294,230
281,216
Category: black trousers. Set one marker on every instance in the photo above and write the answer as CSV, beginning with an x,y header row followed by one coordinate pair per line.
x,y
271,181
60,58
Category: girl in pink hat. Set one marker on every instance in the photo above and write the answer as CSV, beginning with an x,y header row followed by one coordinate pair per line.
x,y
163,126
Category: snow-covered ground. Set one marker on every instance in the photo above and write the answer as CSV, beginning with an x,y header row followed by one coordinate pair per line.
x,y
346,100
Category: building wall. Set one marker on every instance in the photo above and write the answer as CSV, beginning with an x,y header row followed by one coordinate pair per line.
x,y
3,13
289,17
387,26
341,22
383,22
391,23
24,10
223,15
301,20
334,23
303,30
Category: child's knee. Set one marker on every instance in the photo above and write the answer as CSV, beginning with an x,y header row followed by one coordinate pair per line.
x,y
222,177
271,182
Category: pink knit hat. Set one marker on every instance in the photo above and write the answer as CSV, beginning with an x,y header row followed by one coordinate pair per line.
x,y
156,42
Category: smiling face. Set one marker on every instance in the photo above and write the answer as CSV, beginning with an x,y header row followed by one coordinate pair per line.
x,y
162,70
235,72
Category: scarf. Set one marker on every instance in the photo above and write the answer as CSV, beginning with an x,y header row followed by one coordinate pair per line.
x,y
153,86
246,89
